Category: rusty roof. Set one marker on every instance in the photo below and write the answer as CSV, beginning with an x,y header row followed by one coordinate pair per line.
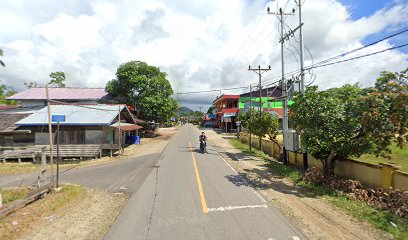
x,y
7,120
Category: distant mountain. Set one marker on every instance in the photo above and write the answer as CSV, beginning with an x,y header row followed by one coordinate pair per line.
x,y
185,111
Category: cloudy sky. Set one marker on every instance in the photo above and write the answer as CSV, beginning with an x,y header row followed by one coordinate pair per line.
x,y
201,44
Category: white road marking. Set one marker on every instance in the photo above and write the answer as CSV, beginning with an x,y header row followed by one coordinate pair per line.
x,y
228,208
252,189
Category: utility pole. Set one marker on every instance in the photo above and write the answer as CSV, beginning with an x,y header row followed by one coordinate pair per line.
x,y
200,109
50,138
250,116
260,71
302,75
178,109
302,70
285,121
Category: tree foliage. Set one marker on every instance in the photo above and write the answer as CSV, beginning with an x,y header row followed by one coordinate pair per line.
x,y
145,86
32,84
57,79
1,61
211,110
269,125
388,101
330,124
348,121
4,93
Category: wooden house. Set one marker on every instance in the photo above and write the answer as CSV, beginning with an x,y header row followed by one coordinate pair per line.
x,y
92,125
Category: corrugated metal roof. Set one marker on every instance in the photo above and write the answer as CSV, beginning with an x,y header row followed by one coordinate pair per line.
x,y
75,115
61,94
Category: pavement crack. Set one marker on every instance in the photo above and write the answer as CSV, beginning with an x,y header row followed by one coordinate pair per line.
x,y
154,200
157,166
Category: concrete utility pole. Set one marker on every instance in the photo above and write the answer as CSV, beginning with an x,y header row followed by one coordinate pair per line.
x,y
50,138
302,74
178,109
200,109
250,116
302,70
285,121
260,71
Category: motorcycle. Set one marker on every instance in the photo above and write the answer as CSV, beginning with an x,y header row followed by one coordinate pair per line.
x,y
203,146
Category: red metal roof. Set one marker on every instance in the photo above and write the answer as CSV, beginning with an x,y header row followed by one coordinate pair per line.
x,y
61,93
278,111
222,97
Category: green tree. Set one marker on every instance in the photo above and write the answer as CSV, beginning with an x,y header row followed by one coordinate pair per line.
x,y
145,86
334,124
158,108
211,110
57,79
269,126
1,61
32,84
4,93
385,112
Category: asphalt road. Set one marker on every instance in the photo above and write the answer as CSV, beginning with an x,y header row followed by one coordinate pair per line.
x,y
189,195
118,176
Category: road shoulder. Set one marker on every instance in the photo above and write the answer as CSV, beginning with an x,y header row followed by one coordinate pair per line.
x,y
314,215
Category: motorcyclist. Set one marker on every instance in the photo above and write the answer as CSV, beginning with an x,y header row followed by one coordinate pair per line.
x,y
203,141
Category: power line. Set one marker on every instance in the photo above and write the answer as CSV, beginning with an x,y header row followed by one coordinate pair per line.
x,y
319,65
360,48
354,58
214,90
343,54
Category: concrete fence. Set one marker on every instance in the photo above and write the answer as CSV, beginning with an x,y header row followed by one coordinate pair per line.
x,y
383,175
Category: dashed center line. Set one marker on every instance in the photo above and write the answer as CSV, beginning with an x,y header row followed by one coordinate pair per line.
x,y
229,208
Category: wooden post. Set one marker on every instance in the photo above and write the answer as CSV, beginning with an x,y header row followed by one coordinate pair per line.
x,y
50,139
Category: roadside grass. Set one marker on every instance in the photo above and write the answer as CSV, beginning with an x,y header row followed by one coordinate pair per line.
x,y
29,167
10,195
381,219
278,169
14,168
398,157
22,220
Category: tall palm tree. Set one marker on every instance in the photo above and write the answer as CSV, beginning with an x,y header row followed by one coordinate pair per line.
x,y
1,55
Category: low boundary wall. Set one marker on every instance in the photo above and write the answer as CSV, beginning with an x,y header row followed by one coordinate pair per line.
x,y
383,175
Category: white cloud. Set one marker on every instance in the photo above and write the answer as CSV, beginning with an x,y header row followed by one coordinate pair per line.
x,y
198,43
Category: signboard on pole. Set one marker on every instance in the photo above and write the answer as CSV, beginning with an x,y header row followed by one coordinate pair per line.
x,y
58,118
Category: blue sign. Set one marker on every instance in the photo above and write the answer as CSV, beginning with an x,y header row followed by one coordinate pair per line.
x,y
58,118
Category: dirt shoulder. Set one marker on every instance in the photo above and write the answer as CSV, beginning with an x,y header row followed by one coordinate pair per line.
x,y
73,212
89,218
317,218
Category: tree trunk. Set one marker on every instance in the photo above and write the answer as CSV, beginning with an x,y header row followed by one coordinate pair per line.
x,y
329,164
260,143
